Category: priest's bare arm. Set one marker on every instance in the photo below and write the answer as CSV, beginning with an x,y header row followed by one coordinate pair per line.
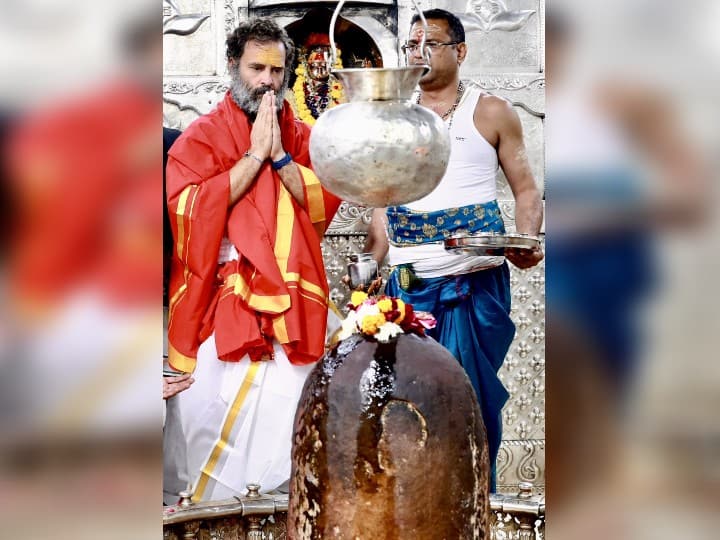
x,y
377,241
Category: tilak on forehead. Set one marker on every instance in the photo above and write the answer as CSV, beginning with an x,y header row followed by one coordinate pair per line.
x,y
270,55
317,56
433,29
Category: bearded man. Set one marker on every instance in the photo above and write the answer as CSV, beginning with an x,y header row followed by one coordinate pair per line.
x,y
248,291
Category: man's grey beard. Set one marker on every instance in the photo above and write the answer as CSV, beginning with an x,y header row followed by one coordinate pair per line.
x,y
248,99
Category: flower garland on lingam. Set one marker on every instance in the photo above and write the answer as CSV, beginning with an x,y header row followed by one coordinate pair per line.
x,y
312,97
383,318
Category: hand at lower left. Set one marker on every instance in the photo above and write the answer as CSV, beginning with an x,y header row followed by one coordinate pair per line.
x,y
175,385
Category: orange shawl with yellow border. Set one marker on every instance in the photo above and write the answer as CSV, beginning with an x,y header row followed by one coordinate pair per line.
x,y
277,288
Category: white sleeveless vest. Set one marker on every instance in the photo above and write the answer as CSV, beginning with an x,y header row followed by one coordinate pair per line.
x,y
470,179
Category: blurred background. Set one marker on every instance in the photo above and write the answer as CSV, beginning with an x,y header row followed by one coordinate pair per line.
x,y
632,233
81,274
632,264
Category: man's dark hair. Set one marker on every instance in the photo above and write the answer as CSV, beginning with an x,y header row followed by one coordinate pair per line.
x,y
260,29
457,30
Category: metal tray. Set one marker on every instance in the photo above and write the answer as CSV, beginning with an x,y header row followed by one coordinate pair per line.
x,y
492,244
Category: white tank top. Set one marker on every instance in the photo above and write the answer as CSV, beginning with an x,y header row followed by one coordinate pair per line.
x,y
583,138
470,178
590,166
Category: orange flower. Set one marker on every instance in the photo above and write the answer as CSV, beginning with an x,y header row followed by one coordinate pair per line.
x,y
402,309
371,323
385,305
358,297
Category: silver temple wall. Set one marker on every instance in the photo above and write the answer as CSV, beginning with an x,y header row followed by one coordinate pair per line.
x,y
506,49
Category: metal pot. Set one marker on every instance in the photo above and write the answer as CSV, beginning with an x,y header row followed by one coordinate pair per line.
x,y
379,149
363,270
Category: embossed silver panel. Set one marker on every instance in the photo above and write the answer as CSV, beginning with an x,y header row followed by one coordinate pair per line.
x,y
522,452
502,35
195,52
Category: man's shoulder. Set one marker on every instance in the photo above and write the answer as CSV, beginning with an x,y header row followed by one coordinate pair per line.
x,y
498,112
494,107
209,124
208,129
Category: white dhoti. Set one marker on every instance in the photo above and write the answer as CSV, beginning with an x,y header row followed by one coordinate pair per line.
x,y
237,421
90,370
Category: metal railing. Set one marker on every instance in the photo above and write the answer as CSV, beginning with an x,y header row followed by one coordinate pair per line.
x,y
262,517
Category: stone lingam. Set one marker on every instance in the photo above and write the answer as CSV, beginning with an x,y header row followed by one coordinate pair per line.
x,y
389,442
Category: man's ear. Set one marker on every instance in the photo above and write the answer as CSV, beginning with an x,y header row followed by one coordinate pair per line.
x,y
232,64
462,52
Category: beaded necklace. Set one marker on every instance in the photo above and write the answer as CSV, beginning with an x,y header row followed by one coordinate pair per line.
x,y
318,98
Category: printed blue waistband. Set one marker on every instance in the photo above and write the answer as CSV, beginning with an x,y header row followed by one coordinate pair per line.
x,y
408,227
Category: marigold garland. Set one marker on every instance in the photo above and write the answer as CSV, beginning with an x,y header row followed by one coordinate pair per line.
x,y
383,318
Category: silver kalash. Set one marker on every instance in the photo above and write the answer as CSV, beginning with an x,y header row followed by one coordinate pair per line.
x,y
379,149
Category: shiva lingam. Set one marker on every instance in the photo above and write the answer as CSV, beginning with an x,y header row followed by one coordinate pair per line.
x,y
389,441
379,149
